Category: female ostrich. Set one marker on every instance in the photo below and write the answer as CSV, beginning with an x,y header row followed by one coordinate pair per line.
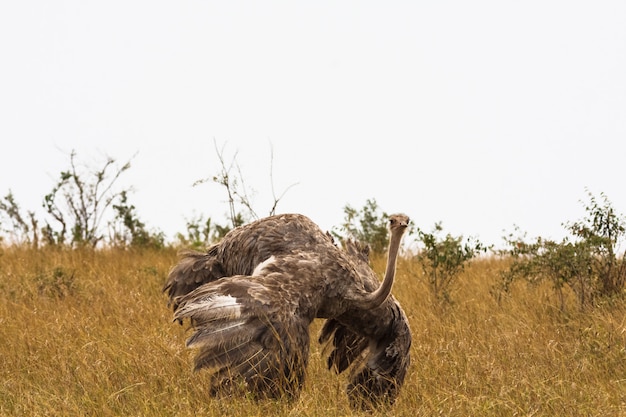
x,y
252,297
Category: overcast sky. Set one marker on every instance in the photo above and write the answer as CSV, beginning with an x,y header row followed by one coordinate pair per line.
x,y
481,114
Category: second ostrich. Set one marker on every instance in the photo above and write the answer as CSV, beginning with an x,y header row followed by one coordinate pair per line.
x,y
252,297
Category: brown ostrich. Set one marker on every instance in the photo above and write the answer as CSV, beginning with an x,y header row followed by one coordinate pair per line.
x,y
252,296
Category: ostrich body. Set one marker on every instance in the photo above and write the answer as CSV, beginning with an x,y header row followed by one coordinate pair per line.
x,y
252,297
374,343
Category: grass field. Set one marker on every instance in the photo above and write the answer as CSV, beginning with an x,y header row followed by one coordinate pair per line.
x,y
89,333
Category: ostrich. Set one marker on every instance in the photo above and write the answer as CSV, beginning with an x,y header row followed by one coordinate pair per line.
x,y
252,297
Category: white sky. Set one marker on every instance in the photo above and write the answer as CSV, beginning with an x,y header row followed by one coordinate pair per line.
x,y
481,114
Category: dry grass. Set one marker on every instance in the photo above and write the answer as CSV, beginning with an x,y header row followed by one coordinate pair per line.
x,y
86,333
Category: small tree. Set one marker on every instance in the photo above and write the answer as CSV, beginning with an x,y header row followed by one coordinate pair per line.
x,y
564,264
444,258
23,228
128,230
602,231
201,233
79,201
587,262
367,225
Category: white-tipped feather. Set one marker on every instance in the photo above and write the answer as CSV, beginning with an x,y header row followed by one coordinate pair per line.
x,y
218,334
213,307
223,335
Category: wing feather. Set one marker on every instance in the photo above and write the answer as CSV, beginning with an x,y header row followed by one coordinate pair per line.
x,y
343,346
377,358
241,337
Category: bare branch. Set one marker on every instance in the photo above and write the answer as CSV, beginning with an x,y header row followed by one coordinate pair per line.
x,y
243,196
276,200
240,206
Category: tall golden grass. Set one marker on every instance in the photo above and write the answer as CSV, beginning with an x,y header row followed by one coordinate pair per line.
x,y
89,333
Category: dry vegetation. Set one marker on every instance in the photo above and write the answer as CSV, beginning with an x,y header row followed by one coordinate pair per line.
x,y
87,333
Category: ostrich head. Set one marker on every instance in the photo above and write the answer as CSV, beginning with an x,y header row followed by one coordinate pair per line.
x,y
399,223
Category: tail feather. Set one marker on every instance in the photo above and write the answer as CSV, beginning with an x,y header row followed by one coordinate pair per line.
x,y
193,270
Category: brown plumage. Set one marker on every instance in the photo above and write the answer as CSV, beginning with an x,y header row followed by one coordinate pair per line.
x,y
252,297
374,343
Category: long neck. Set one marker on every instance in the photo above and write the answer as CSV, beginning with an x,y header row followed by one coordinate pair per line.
x,y
376,298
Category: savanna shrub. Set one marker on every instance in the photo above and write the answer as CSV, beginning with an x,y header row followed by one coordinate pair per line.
x,y
444,257
367,225
587,261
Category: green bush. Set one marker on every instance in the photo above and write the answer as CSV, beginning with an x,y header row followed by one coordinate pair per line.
x,y
367,225
129,231
587,261
58,283
443,259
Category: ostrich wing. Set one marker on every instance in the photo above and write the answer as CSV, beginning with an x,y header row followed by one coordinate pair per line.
x,y
342,345
382,375
249,329
378,359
